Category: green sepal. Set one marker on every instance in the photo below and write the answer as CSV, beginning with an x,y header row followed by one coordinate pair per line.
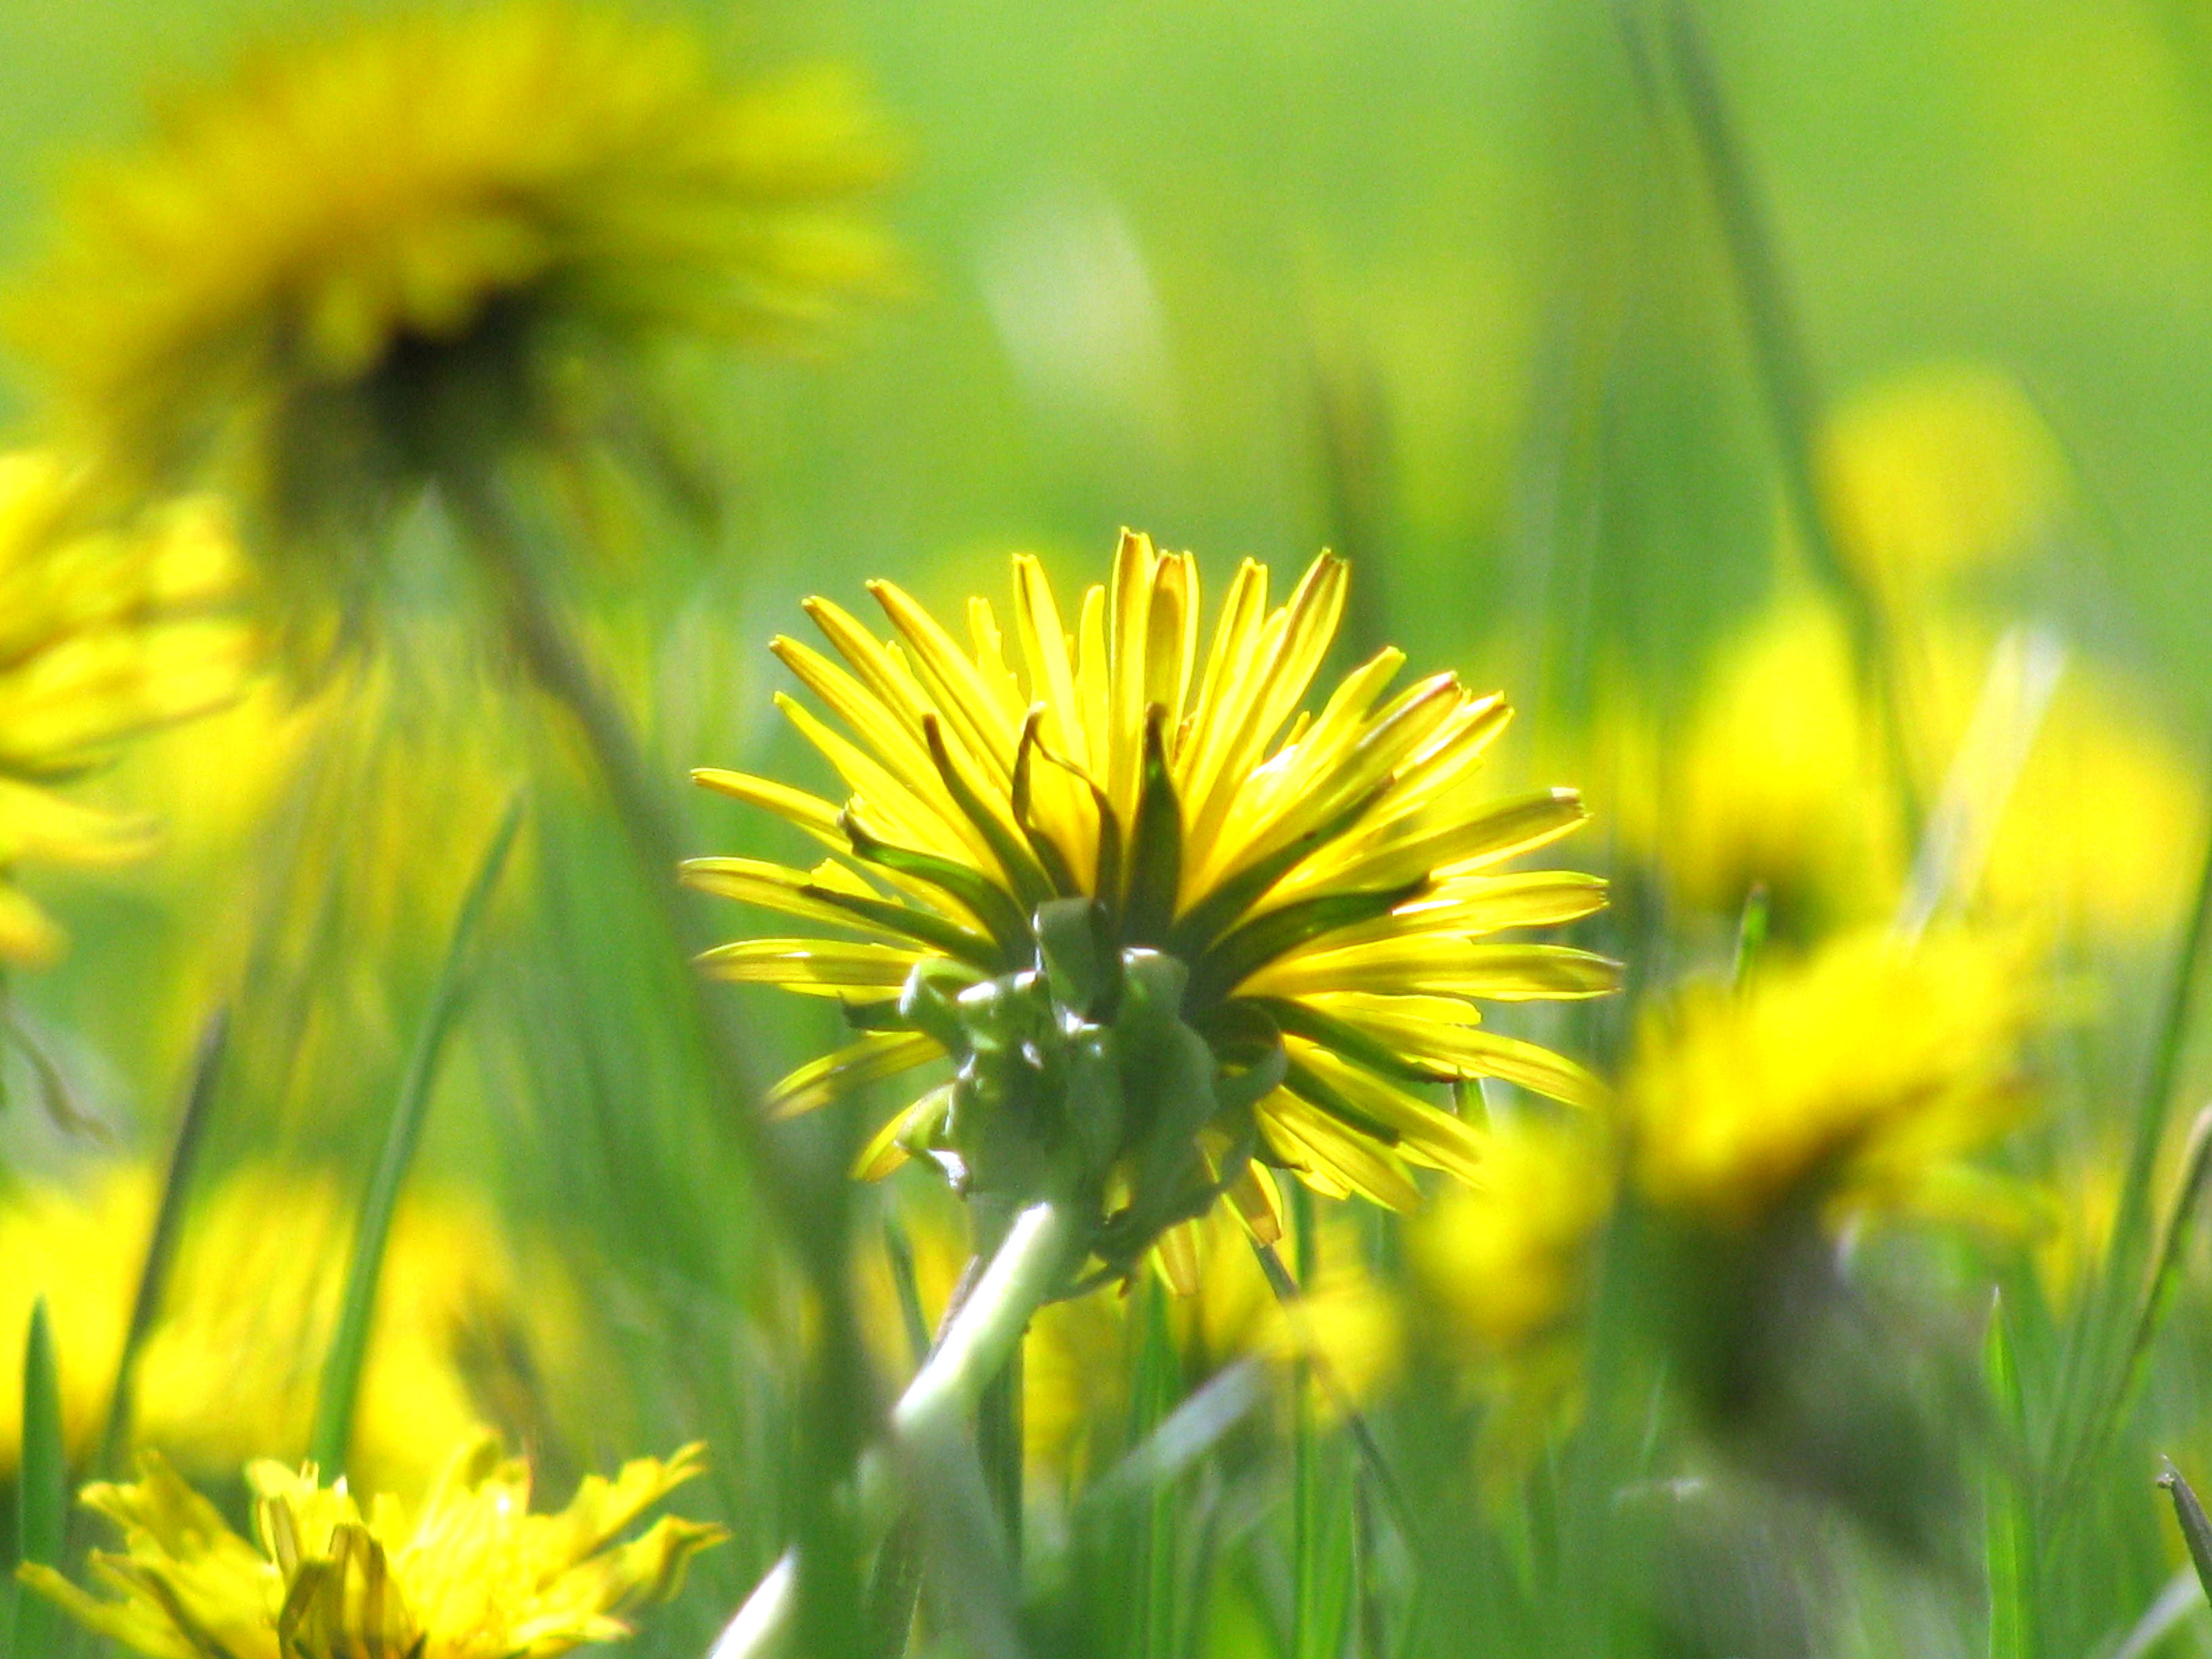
x,y
1031,886
1307,1086
1249,1059
982,897
1156,845
997,1016
1097,1104
1247,949
1212,915
1047,850
1301,1020
939,933
1075,949
929,1002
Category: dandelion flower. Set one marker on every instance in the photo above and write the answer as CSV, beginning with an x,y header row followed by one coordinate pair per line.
x,y
1170,928
428,240
104,635
232,1364
475,1576
1860,1076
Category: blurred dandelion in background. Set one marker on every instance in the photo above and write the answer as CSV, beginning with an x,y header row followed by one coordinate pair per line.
x,y
464,1334
423,244
106,634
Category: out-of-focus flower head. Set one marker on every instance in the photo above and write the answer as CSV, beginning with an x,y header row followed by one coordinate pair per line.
x,y
1857,1077
476,1575
1508,1259
1780,780
427,241
1163,923
231,1366
1940,470
105,634
344,825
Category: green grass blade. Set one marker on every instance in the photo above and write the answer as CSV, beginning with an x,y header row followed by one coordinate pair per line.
x,y
2196,1529
2093,1369
1785,375
1307,1640
42,1497
348,1350
2009,1547
169,1227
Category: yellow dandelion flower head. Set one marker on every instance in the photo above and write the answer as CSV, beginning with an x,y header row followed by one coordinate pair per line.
x,y
1781,780
1859,1076
365,256
1942,470
1165,923
105,634
475,1575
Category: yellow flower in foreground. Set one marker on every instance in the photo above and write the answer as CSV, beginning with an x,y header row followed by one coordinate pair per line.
x,y
475,1576
427,238
1860,1076
103,637
231,1366
1165,922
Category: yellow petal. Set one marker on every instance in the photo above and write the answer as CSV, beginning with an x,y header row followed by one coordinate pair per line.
x,y
814,966
876,1055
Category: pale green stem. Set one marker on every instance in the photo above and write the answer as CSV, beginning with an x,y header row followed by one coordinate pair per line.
x,y
931,1435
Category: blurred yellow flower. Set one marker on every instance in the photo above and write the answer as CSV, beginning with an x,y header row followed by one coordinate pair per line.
x,y
1859,1076
1782,777
104,635
231,1365
474,1576
341,827
428,239
1937,470
1306,905
1508,1259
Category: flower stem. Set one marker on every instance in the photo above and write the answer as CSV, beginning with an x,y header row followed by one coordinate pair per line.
x,y
933,1438
998,1413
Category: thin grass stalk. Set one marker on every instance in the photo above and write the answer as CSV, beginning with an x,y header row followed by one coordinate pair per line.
x,y
1290,1297
2157,1293
800,1201
347,1355
1155,1400
168,1228
2096,1331
2009,1551
1306,1638
1785,375
42,1490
